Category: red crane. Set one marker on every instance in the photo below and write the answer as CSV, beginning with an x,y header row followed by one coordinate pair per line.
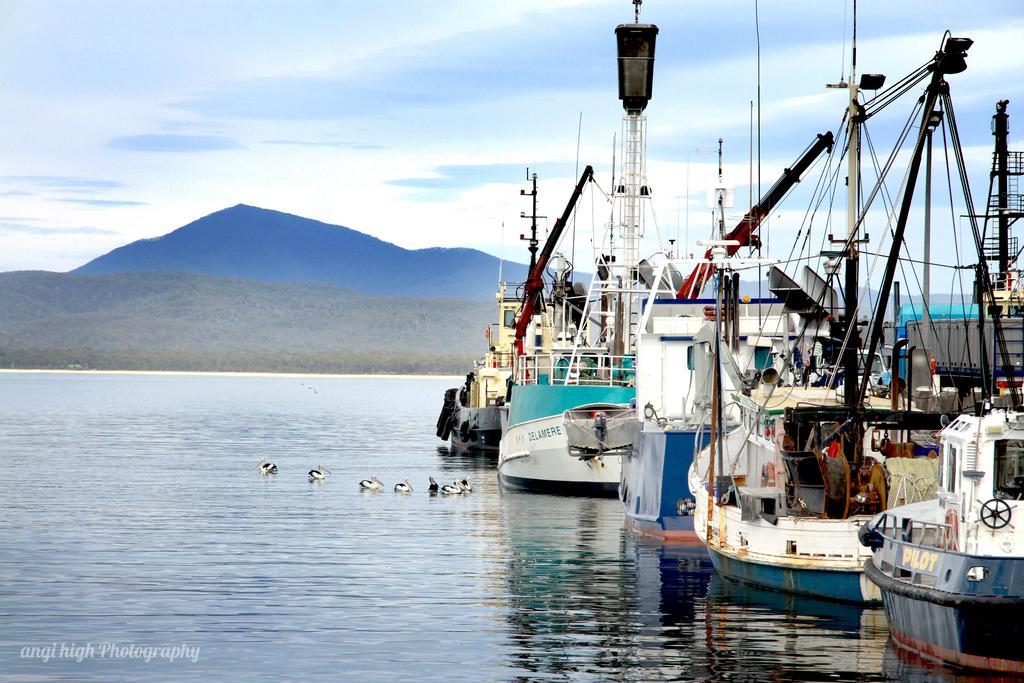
x,y
535,281
743,232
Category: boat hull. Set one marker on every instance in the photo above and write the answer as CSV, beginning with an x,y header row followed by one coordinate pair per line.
x,y
654,488
843,586
543,463
478,430
968,631
534,452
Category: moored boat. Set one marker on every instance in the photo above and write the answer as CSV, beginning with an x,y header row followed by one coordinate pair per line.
x,y
782,498
674,379
472,415
951,569
581,371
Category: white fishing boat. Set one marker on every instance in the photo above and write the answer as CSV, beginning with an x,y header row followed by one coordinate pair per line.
x,y
951,569
568,398
569,421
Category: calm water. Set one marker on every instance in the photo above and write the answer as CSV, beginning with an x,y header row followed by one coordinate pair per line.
x,y
132,514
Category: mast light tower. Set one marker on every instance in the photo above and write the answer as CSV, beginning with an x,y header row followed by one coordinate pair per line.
x,y
636,43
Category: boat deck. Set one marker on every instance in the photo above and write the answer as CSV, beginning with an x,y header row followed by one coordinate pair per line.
x,y
809,397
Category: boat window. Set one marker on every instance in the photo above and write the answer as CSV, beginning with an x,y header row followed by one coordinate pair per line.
x,y
510,318
1009,481
762,357
876,364
689,358
949,467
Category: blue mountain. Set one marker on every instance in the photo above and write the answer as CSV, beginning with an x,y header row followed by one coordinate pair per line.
x,y
249,242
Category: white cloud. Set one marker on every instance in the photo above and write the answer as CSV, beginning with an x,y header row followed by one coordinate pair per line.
x,y
133,63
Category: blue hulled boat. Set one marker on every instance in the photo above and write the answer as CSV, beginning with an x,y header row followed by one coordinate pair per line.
x,y
951,570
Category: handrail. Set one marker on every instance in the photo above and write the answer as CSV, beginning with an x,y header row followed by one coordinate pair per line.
x,y
928,534
576,369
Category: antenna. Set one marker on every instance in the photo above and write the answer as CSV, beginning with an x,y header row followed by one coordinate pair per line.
x,y
501,253
533,219
719,160
853,42
579,133
636,10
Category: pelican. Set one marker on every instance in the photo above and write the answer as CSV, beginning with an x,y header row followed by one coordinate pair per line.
x,y
266,467
433,488
464,485
371,484
319,474
403,487
450,489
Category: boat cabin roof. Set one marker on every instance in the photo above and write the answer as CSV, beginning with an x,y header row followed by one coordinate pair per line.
x,y
987,450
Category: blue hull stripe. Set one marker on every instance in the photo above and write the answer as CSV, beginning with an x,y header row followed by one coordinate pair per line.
x,y
843,586
677,447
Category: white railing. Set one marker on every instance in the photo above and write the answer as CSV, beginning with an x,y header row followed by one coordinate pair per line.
x,y
917,532
576,369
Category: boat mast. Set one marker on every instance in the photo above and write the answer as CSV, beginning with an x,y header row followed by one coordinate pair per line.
x,y
951,59
1000,129
721,481
851,285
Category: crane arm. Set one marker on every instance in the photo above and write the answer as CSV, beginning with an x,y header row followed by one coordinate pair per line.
x,y
535,280
752,220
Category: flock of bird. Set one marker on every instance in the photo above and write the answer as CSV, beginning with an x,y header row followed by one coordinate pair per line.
x,y
458,487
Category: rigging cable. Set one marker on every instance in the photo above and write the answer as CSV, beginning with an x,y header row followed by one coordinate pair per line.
x,y
957,274
579,133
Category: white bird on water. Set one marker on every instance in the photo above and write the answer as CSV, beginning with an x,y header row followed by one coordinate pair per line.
x,y
433,488
319,474
371,484
464,485
403,487
266,467
450,489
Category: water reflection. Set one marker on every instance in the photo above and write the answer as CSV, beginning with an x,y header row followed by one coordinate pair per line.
x,y
585,598
900,665
564,573
790,637
153,526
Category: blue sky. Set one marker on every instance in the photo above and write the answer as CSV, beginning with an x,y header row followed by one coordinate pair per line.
x,y
414,121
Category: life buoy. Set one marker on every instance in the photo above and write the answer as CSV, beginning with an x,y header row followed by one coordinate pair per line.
x,y
953,522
